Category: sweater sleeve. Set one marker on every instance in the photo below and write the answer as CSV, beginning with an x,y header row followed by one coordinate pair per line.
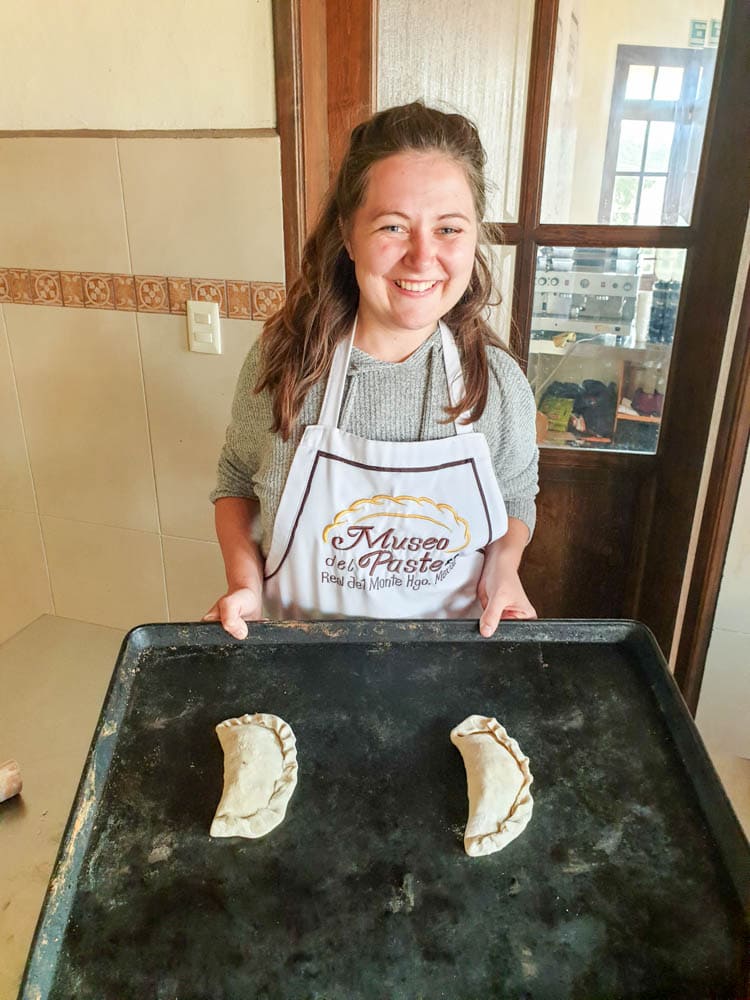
x,y
240,457
509,423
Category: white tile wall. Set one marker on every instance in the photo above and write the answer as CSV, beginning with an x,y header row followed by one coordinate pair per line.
x,y
209,208
81,389
195,577
732,608
16,487
189,402
104,575
61,205
24,585
723,714
111,427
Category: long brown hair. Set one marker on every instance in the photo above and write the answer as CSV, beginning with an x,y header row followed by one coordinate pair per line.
x,y
298,341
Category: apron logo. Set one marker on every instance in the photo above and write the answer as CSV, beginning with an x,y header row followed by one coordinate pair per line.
x,y
403,536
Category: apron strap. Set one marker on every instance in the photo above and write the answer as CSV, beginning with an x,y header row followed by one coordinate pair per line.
x,y
455,377
334,394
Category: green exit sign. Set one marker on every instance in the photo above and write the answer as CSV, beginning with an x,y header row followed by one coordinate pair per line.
x,y
698,34
704,33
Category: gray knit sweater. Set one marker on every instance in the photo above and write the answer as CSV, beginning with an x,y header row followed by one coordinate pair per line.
x,y
383,401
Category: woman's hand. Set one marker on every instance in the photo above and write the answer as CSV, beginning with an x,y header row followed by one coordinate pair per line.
x,y
234,609
500,591
243,563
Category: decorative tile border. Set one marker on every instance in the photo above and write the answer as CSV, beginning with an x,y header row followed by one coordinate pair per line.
x,y
46,288
146,293
179,293
239,299
266,299
72,285
98,291
151,293
208,290
20,286
125,292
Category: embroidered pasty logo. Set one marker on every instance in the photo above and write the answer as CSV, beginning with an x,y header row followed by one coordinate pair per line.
x,y
361,513
404,535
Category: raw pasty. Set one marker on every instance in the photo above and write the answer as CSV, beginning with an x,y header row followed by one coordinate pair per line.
x,y
260,774
498,779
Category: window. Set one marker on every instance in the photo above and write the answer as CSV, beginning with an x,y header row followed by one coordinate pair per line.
x,y
657,118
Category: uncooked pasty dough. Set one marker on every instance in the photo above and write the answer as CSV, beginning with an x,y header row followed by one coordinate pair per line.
x,y
498,779
260,774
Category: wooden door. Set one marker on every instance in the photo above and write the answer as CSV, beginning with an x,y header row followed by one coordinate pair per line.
x,y
613,526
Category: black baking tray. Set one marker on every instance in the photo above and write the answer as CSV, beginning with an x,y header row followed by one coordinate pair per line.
x,y
631,880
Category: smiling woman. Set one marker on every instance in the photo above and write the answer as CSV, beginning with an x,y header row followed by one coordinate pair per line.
x,y
379,402
412,241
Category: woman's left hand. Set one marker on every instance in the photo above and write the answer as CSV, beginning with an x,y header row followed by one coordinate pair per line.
x,y
500,591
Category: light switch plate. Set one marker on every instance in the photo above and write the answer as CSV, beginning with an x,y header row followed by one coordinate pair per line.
x,y
204,327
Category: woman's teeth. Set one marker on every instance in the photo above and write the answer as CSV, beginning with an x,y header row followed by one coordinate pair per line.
x,y
416,286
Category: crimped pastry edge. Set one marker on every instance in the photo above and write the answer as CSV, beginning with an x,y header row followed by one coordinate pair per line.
x,y
520,814
283,786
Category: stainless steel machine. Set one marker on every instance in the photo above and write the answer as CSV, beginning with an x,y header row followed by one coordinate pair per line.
x,y
585,290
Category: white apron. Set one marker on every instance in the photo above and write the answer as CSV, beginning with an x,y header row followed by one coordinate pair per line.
x,y
383,529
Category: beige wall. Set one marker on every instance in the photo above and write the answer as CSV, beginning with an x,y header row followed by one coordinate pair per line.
x,y
585,116
724,704
111,427
97,64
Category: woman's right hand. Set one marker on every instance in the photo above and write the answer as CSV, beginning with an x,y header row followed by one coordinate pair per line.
x,y
243,564
234,609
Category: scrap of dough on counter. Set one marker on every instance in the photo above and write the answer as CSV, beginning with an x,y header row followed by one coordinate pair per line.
x,y
260,774
498,779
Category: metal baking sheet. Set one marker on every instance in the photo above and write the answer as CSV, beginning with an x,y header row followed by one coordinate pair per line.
x,y
631,879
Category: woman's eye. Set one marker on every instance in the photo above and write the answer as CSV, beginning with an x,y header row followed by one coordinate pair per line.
x,y
449,230
393,228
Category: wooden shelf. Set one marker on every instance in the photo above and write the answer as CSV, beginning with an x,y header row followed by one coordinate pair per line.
x,y
589,345
636,418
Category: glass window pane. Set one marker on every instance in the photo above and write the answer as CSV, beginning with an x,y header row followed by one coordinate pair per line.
x,y
660,136
668,83
630,149
602,328
624,201
616,63
640,83
652,201
467,56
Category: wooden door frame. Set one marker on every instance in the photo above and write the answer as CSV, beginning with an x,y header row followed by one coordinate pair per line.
x,y
722,201
318,101
300,61
345,61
